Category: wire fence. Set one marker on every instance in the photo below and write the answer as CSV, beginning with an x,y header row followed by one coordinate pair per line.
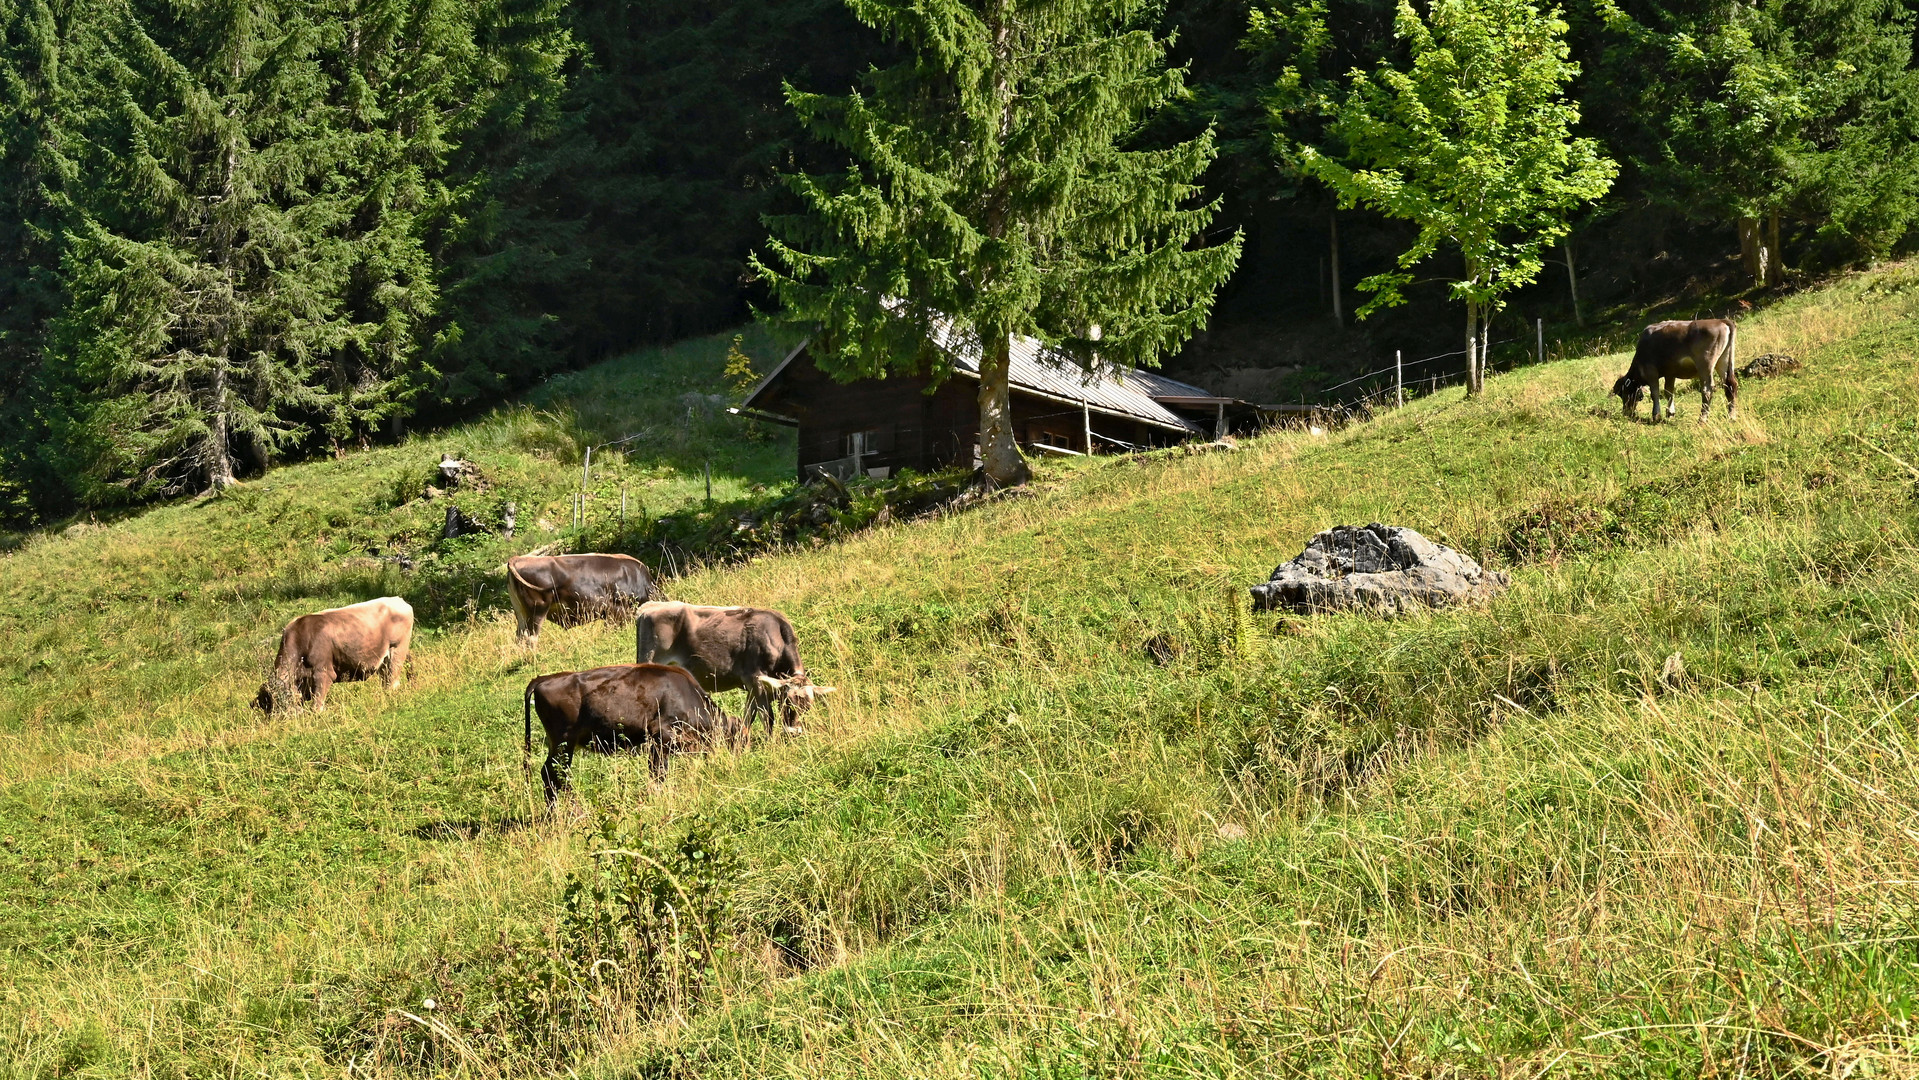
x,y
1395,381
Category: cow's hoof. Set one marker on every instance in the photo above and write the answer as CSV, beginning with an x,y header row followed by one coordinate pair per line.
x,y
794,731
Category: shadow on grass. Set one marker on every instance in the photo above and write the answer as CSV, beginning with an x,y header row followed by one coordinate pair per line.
x,y
470,829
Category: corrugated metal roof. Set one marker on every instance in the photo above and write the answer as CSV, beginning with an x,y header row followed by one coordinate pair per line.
x,y
1039,370
1036,369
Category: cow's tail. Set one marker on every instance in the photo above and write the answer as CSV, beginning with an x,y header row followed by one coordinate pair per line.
x,y
526,757
524,583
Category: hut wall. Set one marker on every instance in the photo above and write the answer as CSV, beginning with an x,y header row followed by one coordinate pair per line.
x,y
894,424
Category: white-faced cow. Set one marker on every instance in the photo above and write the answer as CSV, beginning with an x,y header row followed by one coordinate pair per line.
x,y
1699,349
573,589
731,648
624,706
344,644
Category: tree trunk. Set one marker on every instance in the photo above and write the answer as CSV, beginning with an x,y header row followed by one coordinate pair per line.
x,y
1472,349
999,453
1332,218
219,455
1759,255
1776,264
1572,282
1485,348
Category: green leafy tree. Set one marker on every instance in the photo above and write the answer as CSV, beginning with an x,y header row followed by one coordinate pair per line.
x,y
993,186
1761,113
1473,143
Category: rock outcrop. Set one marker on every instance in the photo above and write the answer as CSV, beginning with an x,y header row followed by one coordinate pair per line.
x,y
1382,569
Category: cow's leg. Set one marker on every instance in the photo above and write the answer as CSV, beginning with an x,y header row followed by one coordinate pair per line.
x,y
322,681
530,625
557,770
656,755
762,701
395,664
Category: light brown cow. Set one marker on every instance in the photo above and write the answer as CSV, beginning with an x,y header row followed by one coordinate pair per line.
x,y
1699,349
344,644
731,648
574,589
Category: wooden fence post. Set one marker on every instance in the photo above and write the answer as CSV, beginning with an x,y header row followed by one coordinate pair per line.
x,y
1399,379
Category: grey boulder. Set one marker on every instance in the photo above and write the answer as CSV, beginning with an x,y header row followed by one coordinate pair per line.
x,y
1384,569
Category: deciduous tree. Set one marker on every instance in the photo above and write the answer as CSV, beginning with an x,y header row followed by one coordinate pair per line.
x,y
1760,113
1473,143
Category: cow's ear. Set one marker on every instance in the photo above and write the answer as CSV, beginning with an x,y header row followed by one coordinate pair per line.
x,y
770,682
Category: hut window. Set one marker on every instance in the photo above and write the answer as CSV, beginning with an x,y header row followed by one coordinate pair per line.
x,y
1056,439
861,443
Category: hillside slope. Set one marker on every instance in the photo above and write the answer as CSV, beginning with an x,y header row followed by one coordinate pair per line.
x,y
1460,843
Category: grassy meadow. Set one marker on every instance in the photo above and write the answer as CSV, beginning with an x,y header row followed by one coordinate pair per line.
x,y
1507,841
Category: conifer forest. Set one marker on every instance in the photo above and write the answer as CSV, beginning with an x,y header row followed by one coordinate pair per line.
x,y
238,232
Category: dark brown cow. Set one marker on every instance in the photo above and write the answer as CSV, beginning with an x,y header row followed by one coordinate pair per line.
x,y
344,644
1699,349
731,648
574,589
620,707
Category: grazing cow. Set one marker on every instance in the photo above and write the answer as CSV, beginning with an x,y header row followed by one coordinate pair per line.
x,y
613,708
1699,349
731,648
574,589
344,644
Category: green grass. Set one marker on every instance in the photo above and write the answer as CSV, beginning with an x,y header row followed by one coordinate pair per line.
x,y
1462,843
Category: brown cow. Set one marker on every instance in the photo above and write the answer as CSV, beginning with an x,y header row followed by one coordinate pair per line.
x,y
731,648
344,644
574,589
1698,349
622,706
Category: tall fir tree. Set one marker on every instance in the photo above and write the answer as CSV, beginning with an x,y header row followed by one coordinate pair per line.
x,y
993,187
244,238
508,239
32,45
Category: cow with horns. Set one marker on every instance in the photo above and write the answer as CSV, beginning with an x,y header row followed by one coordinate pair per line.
x,y
732,648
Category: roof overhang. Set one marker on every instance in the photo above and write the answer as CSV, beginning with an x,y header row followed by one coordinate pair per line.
x,y
1088,406
762,414
752,398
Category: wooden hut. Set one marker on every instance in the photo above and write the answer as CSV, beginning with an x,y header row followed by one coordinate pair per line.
x,y
877,426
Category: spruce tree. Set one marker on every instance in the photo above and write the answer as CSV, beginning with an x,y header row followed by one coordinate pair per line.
x,y
992,185
31,165
243,247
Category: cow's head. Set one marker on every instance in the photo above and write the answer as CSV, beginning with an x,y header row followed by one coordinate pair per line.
x,y
794,694
1630,392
